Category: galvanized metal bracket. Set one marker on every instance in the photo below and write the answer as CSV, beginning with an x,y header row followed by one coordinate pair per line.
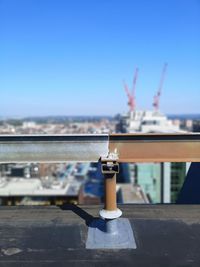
x,y
109,167
109,164
112,156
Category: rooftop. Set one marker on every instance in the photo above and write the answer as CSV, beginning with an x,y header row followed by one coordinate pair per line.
x,y
166,235
155,235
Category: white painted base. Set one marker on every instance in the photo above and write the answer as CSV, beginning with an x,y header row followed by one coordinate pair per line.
x,y
107,214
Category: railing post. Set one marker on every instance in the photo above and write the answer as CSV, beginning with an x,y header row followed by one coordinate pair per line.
x,y
109,169
110,231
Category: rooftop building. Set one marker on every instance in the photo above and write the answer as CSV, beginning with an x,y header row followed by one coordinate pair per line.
x,y
146,121
150,175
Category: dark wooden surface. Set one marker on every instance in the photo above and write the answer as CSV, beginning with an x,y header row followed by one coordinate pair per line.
x,y
166,235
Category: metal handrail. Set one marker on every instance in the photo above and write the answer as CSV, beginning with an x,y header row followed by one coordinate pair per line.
x,y
91,148
109,149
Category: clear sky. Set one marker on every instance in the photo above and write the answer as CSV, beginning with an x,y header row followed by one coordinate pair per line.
x,y
69,57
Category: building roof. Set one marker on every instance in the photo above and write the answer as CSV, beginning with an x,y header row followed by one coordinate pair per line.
x,y
166,235
33,187
19,186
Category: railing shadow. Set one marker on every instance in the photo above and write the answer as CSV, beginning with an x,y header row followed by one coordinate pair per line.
x,y
90,221
88,218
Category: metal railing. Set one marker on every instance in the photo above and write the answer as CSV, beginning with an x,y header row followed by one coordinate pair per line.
x,y
110,150
124,147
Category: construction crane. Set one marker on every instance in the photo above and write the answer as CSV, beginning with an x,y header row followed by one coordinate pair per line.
x,y
156,101
131,95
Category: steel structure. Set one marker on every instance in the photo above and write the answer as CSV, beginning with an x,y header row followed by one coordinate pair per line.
x,y
156,102
131,93
92,148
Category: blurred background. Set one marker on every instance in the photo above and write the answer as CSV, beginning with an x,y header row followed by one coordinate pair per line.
x,y
104,66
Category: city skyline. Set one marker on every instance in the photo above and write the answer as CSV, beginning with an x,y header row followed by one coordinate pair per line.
x,y
70,57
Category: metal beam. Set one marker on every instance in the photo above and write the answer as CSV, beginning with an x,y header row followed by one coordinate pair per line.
x,y
52,148
129,147
156,147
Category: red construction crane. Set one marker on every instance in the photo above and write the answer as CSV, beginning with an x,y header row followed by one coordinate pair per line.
x,y
131,95
156,101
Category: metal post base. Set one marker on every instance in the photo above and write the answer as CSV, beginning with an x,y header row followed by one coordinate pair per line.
x,y
110,234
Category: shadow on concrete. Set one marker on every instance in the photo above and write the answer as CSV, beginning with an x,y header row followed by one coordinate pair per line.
x,y
80,212
90,221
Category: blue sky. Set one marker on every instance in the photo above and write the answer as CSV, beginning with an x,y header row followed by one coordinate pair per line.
x,y
69,57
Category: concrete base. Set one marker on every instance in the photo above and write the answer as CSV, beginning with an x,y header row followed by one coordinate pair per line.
x,y
110,234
